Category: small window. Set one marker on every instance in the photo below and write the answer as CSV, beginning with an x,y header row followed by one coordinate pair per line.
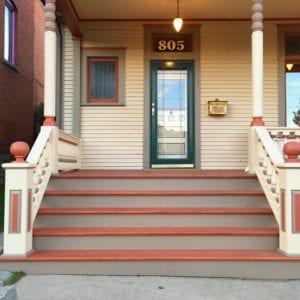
x,y
102,79
103,76
9,32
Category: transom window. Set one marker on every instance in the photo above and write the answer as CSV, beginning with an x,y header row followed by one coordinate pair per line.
x,y
292,60
9,32
102,79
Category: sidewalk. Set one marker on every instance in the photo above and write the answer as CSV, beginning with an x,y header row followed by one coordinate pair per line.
x,y
60,287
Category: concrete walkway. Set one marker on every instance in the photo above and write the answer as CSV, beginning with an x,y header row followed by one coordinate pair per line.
x,y
60,287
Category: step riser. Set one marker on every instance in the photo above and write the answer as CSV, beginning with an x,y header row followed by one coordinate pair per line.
x,y
156,242
154,220
227,269
156,201
154,184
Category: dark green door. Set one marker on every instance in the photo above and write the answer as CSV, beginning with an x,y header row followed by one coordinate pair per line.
x,y
172,114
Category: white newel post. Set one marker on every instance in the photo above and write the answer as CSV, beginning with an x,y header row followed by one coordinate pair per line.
x,y
50,64
18,203
289,179
257,77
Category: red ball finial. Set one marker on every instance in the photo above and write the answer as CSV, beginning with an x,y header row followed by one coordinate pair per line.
x,y
292,151
19,150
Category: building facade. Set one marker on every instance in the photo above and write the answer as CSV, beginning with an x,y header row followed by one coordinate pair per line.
x,y
21,69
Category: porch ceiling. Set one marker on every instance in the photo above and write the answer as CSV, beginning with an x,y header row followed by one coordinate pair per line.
x,y
190,9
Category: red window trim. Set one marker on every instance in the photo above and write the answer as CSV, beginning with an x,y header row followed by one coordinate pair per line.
x,y
103,100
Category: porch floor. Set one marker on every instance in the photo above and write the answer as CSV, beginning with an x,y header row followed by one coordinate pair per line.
x,y
162,173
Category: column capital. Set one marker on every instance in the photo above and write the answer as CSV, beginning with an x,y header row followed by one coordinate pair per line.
x,y
50,16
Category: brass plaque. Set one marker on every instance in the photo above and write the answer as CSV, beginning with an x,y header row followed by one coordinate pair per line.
x,y
217,107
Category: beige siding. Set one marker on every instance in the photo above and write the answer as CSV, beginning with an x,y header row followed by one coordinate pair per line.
x,y
68,77
225,73
112,137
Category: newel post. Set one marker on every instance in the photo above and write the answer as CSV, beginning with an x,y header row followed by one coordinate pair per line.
x,y
18,203
289,180
257,39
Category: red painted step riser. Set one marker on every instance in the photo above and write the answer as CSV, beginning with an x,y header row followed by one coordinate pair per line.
x,y
152,255
156,231
154,193
154,211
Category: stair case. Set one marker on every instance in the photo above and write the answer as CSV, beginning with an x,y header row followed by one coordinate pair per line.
x,y
178,223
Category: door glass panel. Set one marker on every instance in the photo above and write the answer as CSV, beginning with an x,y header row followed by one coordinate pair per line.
x,y
172,137
293,96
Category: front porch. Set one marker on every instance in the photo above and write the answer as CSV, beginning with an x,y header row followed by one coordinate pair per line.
x,y
88,197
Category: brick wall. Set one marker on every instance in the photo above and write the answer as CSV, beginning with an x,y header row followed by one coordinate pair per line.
x,y
17,87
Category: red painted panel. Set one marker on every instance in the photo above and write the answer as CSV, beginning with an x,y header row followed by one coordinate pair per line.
x,y
282,207
15,212
296,200
29,210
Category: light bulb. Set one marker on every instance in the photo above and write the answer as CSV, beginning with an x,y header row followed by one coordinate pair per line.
x,y
289,66
177,22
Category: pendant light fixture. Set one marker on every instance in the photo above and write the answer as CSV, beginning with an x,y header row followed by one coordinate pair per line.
x,y
177,22
289,66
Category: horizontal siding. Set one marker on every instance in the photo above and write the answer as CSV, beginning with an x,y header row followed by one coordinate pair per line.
x,y
112,137
225,73
68,75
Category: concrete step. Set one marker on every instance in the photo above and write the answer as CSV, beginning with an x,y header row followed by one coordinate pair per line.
x,y
206,263
95,217
155,237
60,199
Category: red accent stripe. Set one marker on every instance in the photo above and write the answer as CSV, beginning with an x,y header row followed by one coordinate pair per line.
x,y
282,207
15,212
157,231
153,255
233,174
29,207
154,210
296,200
154,193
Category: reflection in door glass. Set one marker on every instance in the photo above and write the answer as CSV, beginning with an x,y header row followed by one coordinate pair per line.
x,y
293,99
172,114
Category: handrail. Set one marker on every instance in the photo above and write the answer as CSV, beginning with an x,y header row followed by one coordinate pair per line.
x,y
274,156
27,181
268,157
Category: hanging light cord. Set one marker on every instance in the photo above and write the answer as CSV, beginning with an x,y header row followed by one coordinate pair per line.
x,y
177,8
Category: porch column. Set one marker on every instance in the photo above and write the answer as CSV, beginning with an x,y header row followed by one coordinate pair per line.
x,y
257,63
50,63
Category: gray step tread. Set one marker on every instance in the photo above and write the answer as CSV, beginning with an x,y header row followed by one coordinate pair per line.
x,y
152,193
151,210
155,255
155,231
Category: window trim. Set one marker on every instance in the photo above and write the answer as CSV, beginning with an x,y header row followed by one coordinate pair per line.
x,y
92,59
11,61
103,52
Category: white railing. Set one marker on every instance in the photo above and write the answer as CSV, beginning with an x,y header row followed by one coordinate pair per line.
x,y
274,158
26,183
268,157
69,157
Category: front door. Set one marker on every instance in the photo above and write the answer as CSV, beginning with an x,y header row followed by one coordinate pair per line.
x,y
172,114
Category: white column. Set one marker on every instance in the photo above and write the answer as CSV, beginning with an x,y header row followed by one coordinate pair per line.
x,y
50,63
257,62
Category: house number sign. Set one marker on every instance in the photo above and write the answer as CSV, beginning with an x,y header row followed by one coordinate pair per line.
x,y
171,43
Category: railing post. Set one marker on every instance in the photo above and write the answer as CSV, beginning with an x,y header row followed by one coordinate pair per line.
x,y
289,180
252,149
54,150
18,203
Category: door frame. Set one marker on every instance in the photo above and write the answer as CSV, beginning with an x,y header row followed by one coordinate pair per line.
x,y
155,162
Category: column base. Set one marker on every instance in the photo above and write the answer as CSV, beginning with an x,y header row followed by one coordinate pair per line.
x,y
49,121
257,121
